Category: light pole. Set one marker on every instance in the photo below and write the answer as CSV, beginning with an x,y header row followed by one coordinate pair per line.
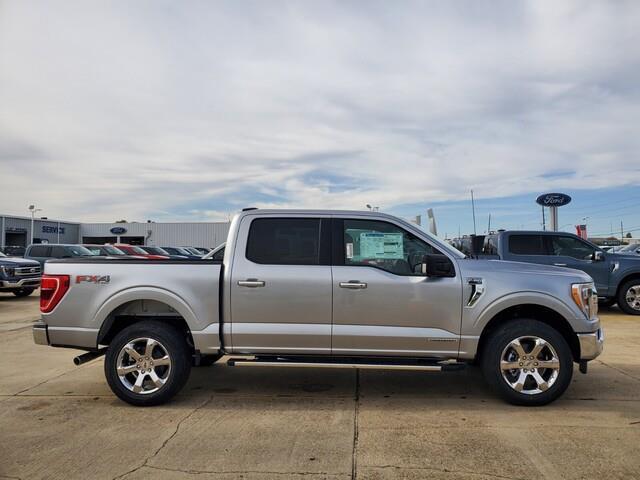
x,y
33,210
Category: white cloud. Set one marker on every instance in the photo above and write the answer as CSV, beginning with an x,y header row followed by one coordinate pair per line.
x,y
183,111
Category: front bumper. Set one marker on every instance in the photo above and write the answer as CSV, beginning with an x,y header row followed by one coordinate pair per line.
x,y
40,334
33,282
591,344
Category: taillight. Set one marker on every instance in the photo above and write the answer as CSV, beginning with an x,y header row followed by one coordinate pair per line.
x,y
52,289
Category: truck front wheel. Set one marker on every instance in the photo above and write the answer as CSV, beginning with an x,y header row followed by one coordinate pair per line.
x,y
629,297
147,363
527,362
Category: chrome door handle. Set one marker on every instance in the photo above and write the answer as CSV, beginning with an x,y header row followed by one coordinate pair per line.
x,y
251,283
560,264
353,285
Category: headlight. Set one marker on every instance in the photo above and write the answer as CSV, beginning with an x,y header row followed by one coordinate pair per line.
x,y
586,298
8,271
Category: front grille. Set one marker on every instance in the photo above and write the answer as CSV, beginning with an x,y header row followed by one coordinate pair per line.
x,y
30,271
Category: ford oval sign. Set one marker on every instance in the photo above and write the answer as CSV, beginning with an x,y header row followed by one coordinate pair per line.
x,y
118,230
553,199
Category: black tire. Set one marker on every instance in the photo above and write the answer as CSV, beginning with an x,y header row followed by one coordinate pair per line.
x,y
499,342
23,292
607,302
172,340
622,297
207,360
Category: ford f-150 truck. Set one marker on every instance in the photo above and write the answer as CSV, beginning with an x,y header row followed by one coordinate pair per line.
x,y
616,275
18,275
324,289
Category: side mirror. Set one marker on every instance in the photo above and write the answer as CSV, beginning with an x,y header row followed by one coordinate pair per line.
x,y
598,256
435,265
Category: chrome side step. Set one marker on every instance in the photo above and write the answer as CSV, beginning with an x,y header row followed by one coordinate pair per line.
x,y
423,367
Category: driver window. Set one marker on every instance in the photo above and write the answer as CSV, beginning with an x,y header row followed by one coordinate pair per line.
x,y
571,247
383,245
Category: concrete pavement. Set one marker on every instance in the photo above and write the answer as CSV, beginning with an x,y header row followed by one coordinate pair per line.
x,y
61,421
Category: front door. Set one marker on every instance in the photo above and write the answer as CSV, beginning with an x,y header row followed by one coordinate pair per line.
x,y
571,252
281,286
382,304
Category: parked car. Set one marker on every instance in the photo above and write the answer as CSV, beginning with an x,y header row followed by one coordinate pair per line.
x,y
203,250
632,248
104,250
179,251
18,275
47,251
136,251
161,252
193,251
616,275
217,253
324,289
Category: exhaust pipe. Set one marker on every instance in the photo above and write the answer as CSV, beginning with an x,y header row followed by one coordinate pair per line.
x,y
87,357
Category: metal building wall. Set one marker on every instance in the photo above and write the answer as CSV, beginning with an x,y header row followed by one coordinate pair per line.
x,y
43,229
164,234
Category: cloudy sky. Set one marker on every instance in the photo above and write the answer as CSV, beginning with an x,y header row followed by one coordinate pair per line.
x,y
192,110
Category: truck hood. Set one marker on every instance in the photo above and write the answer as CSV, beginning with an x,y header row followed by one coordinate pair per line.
x,y
18,262
508,267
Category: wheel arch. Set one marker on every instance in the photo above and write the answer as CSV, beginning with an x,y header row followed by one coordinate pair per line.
x,y
542,313
137,304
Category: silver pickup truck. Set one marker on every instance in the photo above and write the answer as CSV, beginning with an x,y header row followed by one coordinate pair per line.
x,y
332,289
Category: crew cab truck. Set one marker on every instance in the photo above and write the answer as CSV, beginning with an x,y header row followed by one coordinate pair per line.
x,y
324,289
616,275
18,276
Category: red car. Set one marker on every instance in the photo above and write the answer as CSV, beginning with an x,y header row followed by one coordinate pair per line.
x,y
136,251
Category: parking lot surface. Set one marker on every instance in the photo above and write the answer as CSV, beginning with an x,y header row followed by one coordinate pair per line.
x,y
62,421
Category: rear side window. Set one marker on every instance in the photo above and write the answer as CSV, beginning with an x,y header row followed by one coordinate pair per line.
x,y
527,245
284,241
58,252
39,251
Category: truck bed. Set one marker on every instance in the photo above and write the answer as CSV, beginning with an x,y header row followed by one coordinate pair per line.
x,y
106,288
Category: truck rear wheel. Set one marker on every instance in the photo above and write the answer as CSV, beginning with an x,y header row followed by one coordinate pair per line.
x,y
147,363
527,362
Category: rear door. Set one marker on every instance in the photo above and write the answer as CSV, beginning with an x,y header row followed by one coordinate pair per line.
x,y
382,303
281,285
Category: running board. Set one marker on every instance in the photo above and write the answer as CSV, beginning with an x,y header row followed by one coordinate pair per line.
x,y
424,367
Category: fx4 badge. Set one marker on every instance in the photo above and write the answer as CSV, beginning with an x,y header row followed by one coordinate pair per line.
x,y
97,279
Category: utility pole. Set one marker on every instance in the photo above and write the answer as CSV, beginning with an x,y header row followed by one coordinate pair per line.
x,y
544,225
489,227
621,231
473,210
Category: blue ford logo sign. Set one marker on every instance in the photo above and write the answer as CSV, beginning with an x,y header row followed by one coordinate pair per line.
x,y
118,230
553,199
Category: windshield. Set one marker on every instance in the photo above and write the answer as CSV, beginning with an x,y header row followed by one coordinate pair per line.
x,y
137,250
630,248
155,250
112,250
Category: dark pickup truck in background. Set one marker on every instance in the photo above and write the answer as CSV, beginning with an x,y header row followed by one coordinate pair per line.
x,y
18,275
616,275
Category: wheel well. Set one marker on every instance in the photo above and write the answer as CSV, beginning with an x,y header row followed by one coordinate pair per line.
x,y
537,312
631,276
138,311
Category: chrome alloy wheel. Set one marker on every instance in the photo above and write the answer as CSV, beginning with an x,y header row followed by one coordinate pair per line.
x,y
143,365
633,297
529,365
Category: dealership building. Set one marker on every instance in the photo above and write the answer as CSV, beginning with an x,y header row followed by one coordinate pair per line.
x,y
16,231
